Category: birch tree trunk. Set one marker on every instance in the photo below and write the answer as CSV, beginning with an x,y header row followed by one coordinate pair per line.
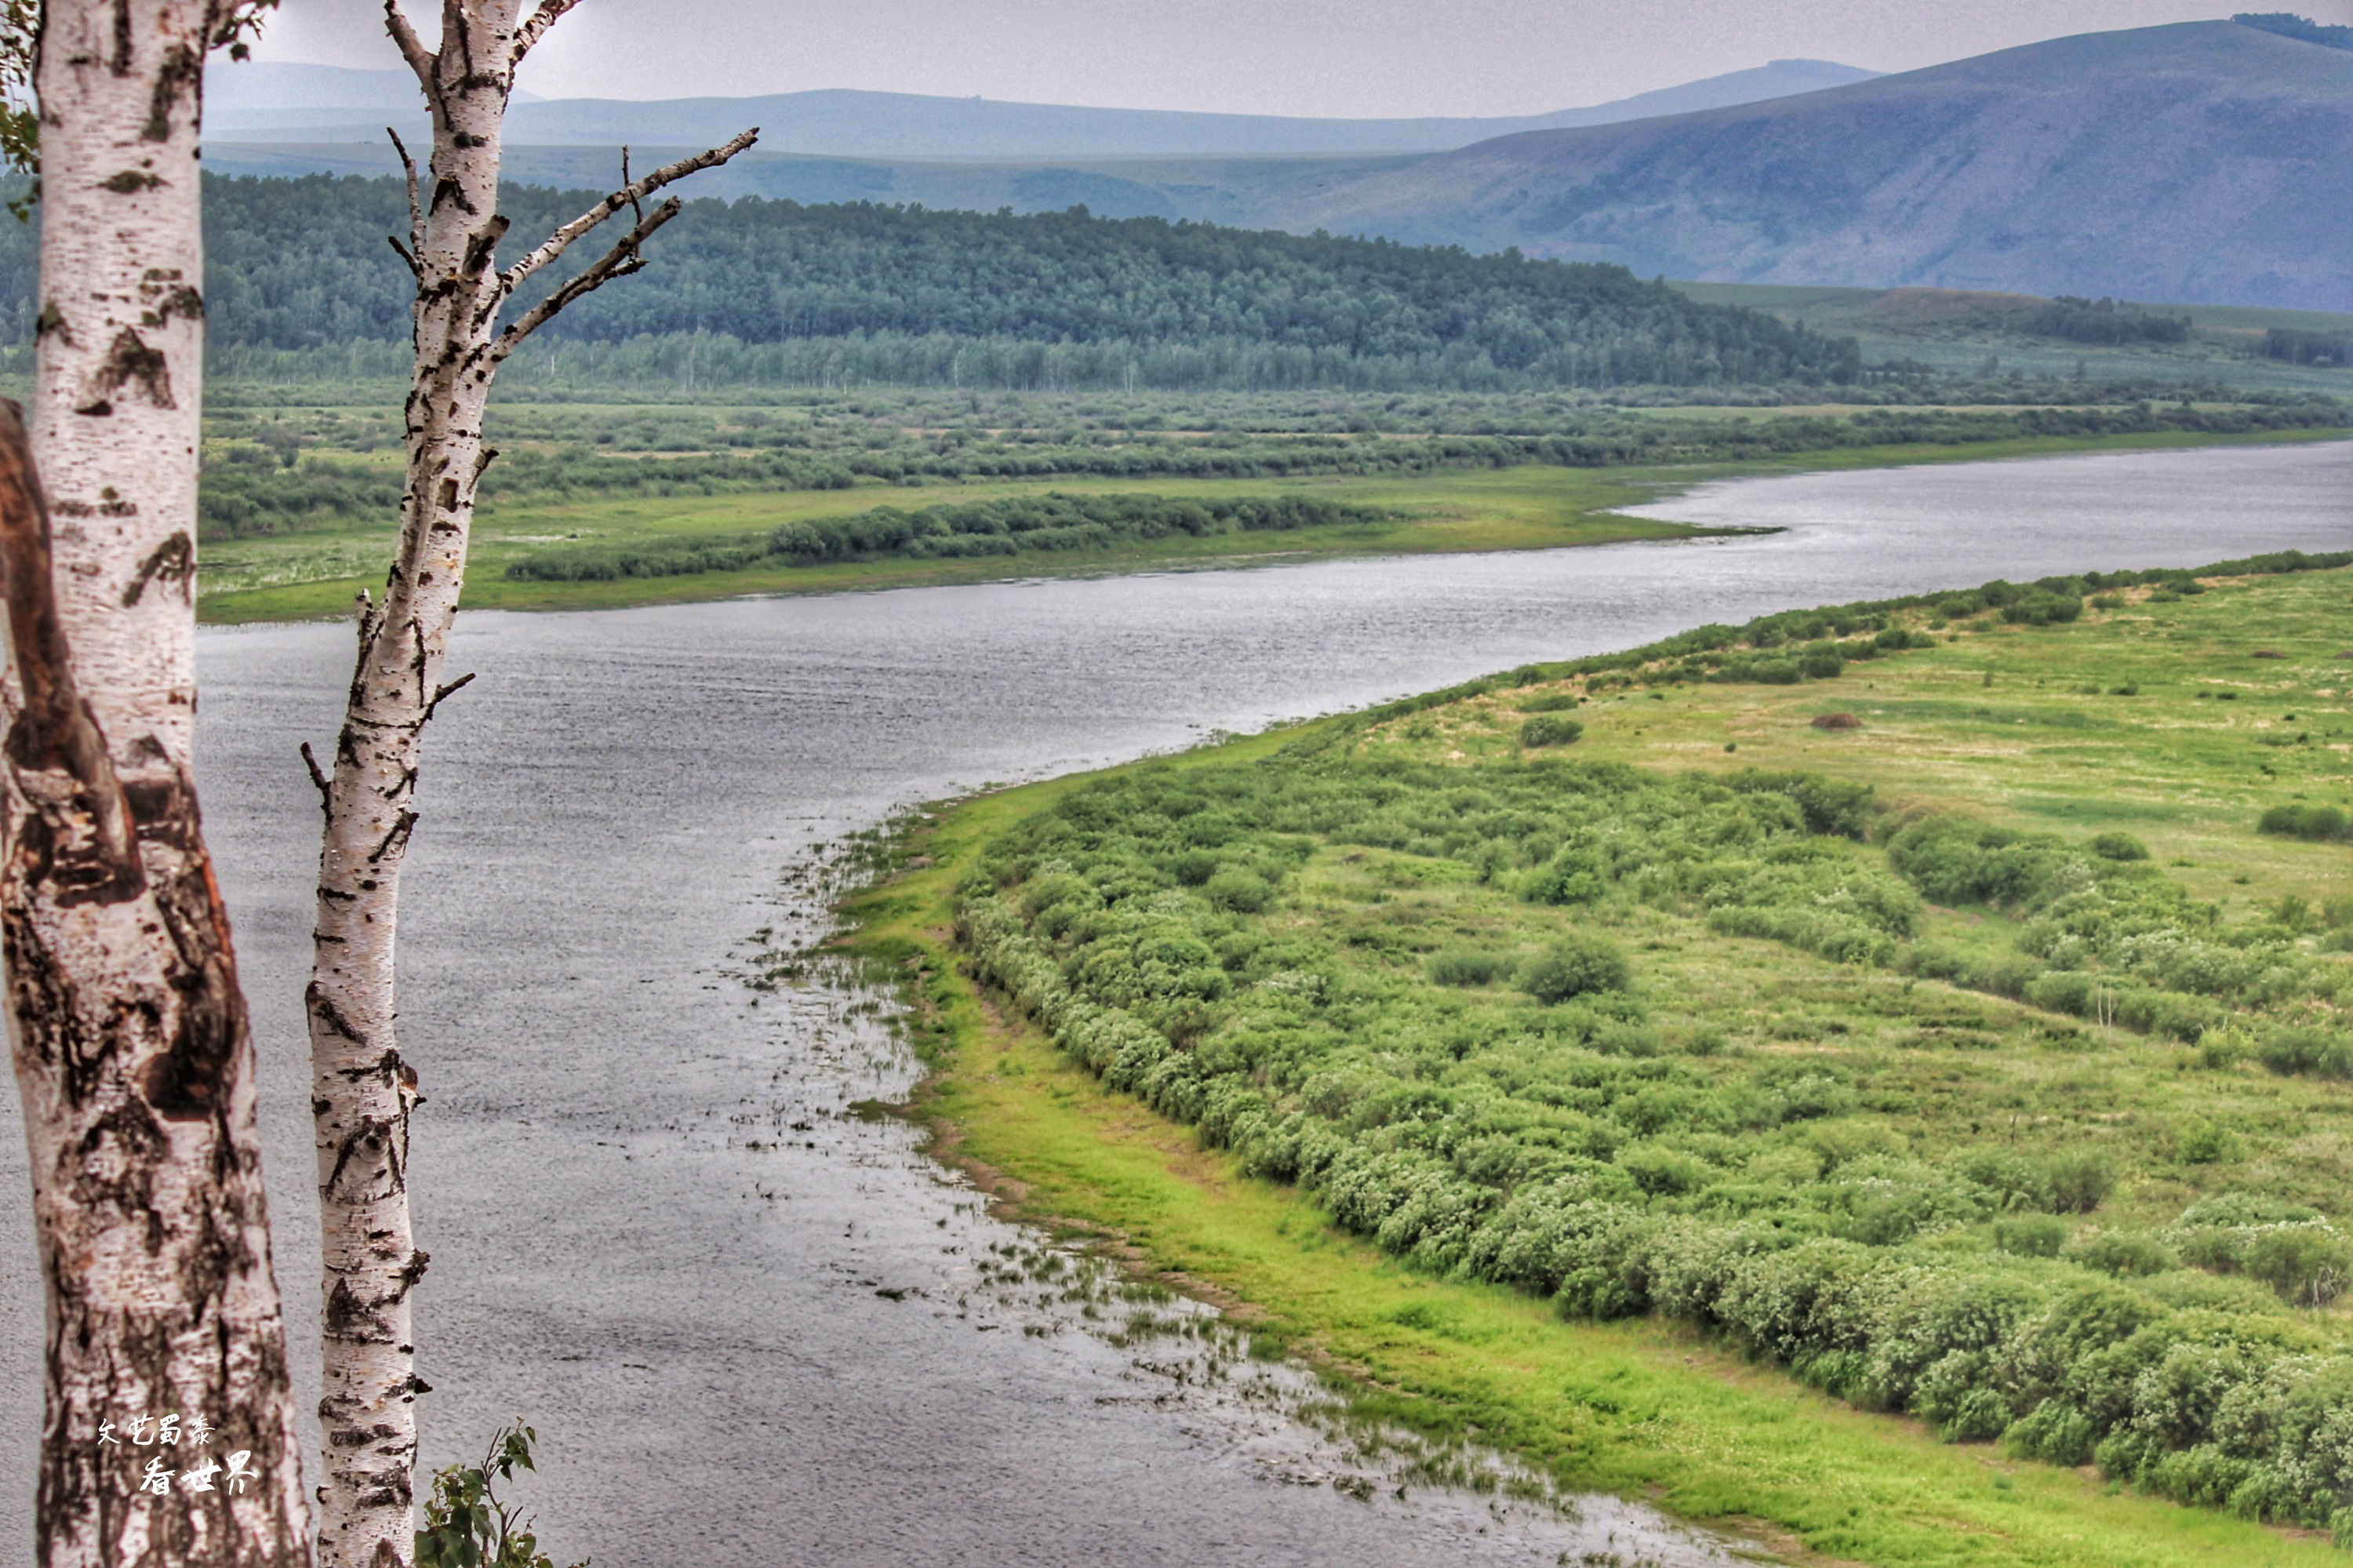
x,y
130,1036
362,1092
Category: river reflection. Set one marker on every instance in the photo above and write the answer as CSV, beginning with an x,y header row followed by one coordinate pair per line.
x,y
752,1330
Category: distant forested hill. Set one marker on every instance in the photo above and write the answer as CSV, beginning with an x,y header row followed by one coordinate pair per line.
x,y
302,264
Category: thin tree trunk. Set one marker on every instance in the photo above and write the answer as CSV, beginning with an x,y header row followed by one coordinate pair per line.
x,y
130,1035
363,1093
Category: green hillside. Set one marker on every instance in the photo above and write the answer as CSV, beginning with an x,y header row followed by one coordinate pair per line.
x,y
302,264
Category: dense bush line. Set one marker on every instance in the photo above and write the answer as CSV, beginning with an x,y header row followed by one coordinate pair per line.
x,y
1015,526
2104,320
2307,348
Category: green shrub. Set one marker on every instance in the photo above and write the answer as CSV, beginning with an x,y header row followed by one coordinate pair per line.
x,y
1577,965
2118,847
2123,1252
2318,824
2309,1049
1548,730
1571,876
1467,965
2030,1235
2081,1180
1552,702
1244,892
2309,1265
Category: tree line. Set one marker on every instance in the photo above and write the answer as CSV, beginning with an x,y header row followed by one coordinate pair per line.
x,y
301,263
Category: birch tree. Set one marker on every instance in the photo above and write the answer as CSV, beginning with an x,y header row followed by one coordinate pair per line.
x,y
129,1037
362,1092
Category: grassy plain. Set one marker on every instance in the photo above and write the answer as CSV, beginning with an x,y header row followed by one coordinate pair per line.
x,y
314,572
2238,700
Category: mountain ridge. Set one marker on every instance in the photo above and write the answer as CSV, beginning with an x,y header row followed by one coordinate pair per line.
x,y
2200,162
329,104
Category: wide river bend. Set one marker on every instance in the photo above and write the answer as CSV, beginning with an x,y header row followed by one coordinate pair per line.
x,y
749,1329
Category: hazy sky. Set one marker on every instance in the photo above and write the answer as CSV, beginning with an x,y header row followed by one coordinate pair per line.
x,y
1370,57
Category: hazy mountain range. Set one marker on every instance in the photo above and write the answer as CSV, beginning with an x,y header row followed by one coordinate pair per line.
x,y
2200,162
2203,161
266,102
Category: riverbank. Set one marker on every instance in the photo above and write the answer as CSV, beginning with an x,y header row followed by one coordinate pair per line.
x,y
1648,1408
314,573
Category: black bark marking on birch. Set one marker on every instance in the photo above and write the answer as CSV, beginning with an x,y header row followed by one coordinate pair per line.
x,y
181,70
180,301
375,1133
326,1013
79,840
173,561
121,63
131,361
129,182
401,828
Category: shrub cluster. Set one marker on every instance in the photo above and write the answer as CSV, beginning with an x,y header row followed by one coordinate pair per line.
x,y
1015,525
1507,1108
2317,824
2106,320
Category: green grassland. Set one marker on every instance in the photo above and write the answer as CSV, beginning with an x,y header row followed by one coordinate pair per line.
x,y
1917,1138
314,574
313,570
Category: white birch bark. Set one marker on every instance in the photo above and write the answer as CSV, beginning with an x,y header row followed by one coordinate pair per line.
x,y
129,1037
363,1093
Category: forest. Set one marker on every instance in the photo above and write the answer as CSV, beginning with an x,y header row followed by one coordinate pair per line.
x,y
302,264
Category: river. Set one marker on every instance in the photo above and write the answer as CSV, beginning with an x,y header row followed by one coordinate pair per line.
x,y
752,1330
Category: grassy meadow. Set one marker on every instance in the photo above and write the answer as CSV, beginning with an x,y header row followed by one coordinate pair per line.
x,y
301,499
1863,1078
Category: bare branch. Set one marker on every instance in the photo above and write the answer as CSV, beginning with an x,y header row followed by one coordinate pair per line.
x,y
463,680
422,61
549,13
619,262
628,197
415,210
326,795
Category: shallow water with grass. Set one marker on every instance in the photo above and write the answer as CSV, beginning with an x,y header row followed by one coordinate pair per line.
x,y
751,1326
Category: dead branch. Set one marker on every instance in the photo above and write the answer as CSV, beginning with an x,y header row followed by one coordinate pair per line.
x,y
319,778
422,61
628,195
416,210
549,13
464,679
619,262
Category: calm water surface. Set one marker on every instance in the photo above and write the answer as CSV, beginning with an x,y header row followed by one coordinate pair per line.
x,y
754,1330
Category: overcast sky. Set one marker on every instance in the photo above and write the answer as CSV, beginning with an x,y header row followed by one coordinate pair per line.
x,y
1357,57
